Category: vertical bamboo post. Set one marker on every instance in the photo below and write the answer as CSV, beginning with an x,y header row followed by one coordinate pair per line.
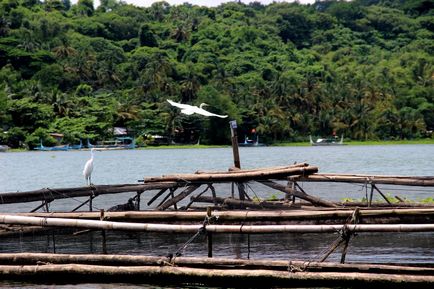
x,y
236,153
90,202
174,204
371,195
287,195
248,246
234,137
139,193
47,208
104,241
344,251
209,234
53,236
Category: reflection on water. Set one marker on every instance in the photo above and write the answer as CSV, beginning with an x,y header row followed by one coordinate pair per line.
x,y
35,170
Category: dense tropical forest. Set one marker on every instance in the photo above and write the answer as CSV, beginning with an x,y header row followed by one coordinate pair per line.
x,y
363,68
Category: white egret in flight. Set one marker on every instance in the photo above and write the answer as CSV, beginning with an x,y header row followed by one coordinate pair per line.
x,y
88,168
190,109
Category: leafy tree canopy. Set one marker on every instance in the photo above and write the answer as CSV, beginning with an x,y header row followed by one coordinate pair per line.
x,y
362,68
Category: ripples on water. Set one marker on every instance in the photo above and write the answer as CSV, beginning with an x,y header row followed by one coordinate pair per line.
x,y
35,170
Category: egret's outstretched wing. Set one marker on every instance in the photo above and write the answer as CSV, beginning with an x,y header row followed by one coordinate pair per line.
x,y
190,109
180,105
207,113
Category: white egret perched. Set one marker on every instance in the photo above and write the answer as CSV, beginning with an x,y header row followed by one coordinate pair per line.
x,y
88,168
190,109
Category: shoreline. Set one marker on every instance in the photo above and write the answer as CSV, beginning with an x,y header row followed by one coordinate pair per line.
x,y
282,144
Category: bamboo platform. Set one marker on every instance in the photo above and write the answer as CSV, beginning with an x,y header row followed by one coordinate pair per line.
x,y
59,268
166,188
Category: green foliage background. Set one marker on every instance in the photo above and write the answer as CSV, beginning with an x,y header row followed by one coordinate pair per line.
x,y
362,68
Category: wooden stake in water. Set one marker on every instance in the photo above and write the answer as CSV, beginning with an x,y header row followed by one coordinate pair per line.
x,y
237,163
234,137
104,241
209,234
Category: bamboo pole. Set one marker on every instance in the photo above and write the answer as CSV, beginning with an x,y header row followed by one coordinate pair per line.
x,y
235,170
385,205
355,178
178,197
238,177
243,229
210,263
238,215
77,273
242,204
157,195
314,200
63,193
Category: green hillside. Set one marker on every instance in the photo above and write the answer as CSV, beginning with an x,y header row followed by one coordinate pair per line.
x,y
363,68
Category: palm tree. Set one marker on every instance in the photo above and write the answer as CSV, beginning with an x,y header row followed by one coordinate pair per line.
x,y
190,85
180,34
28,40
61,103
64,50
4,26
155,74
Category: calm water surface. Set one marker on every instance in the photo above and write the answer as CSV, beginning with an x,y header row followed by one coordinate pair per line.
x,y
34,170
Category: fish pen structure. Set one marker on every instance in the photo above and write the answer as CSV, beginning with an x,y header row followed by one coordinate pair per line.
x,y
199,207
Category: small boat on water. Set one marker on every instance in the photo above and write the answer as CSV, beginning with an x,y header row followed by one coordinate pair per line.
x,y
3,148
251,143
77,146
119,143
41,147
327,141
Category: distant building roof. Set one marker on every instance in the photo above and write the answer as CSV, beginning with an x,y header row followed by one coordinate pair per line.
x,y
120,131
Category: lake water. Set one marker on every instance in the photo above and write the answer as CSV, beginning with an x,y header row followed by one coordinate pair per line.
x,y
35,170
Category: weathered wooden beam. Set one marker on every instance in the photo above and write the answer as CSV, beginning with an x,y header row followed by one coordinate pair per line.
x,y
234,139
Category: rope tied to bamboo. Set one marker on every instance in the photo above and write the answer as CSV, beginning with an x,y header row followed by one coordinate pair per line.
x,y
345,235
208,220
292,268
